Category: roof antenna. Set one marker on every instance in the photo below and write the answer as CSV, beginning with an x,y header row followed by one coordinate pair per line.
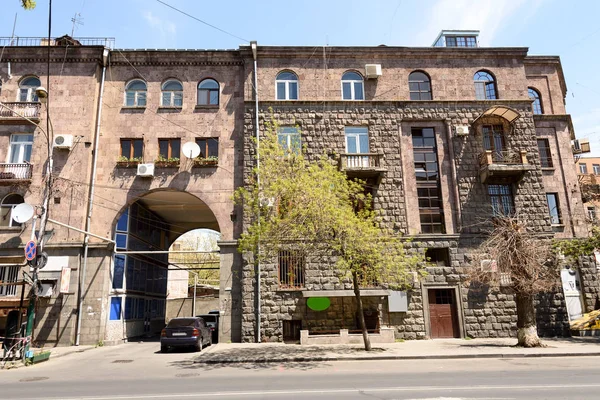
x,y
76,20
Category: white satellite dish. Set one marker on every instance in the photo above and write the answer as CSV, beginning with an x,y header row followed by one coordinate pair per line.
x,y
191,150
22,213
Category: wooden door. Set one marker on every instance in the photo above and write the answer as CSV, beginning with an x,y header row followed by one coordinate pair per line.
x,y
443,314
291,330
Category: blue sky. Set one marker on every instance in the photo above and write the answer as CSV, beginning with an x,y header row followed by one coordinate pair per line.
x,y
547,27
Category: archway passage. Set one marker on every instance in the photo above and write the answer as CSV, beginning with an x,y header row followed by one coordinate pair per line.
x,y
144,233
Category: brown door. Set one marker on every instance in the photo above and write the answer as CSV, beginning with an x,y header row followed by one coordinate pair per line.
x,y
443,314
291,330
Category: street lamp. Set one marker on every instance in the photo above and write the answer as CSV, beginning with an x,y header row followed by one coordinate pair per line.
x,y
42,94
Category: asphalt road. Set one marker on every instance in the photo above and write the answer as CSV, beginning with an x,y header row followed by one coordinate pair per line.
x,y
138,371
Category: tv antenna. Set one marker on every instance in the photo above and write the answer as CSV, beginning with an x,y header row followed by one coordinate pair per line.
x,y
76,20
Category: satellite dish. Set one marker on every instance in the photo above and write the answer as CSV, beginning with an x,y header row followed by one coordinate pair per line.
x,y
191,150
22,213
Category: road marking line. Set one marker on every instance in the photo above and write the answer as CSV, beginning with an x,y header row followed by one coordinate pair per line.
x,y
324,391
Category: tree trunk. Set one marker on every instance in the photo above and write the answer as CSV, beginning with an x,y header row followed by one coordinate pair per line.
x,y
361,315
526,326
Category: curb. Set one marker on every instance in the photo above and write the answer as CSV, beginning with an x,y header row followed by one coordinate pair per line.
x,y
19,364
389,358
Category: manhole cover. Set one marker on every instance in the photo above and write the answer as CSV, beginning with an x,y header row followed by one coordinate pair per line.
x,y
34,379
122,361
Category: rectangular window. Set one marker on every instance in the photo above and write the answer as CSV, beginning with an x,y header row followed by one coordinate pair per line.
x,y
132,148
169,148
289,139
439,256
357,142
545,156
115,308
9,275
502,200
596,168
591,212
583,168
428,180
291,269
553,208
20,148
461,41
118,271
209,147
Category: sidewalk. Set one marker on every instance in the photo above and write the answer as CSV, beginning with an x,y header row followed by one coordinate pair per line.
x,y
55,352
227,353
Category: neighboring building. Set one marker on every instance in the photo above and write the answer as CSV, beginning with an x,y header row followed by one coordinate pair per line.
x,y
446,136
588,169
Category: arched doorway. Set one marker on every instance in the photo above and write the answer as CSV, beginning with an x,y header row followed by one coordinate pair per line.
x,y
144,233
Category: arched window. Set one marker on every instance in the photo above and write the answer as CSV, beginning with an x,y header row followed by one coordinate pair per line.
x,y
537,101
419,86
287,86
135,93
485,86
208,92
352,86
172,94
8,203
27,89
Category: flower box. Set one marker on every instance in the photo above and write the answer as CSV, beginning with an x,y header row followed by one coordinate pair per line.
x,y
166,164
128,164
203,162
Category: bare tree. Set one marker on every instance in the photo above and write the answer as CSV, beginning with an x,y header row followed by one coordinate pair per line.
x,y
521,262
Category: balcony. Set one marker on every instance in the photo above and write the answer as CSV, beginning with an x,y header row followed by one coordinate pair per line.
x,y
20,112
503,167
11,174
364,165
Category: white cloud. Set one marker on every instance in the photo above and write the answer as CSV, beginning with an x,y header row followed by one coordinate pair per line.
x,y
484,15
166,29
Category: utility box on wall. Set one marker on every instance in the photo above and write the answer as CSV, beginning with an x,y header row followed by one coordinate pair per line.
x,y
398,301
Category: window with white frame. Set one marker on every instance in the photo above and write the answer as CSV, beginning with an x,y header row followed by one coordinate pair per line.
x,y
135,93
583,168
172,94
20,148
9,275
591,212
208,92
9,202
352,86
357,142
27,89
596,168
289,139
286,85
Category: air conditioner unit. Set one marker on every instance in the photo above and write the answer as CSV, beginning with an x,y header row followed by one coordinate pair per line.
x,y
461,130
145,170
373,71
63,141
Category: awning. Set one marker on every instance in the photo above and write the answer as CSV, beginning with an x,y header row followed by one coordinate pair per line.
x,y
500,111
345,293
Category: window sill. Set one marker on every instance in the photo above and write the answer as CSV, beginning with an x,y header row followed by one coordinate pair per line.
x,y
207,107
133,108
170,107
284,289
558,225
551,169
10,229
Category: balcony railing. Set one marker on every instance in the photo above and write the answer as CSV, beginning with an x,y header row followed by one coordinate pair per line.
x,y
503,166
62,41
362,165
17,110
11,173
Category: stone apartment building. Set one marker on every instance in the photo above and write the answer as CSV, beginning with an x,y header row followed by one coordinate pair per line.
x,y
588,169
444,136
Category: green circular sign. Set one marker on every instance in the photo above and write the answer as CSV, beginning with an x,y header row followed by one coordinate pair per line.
x,y
318,303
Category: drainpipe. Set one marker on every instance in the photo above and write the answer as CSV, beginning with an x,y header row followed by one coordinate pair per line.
x,y
454,182
254,47
88,220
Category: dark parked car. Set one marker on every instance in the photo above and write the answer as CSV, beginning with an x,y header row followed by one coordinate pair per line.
x,y
212,321
185,332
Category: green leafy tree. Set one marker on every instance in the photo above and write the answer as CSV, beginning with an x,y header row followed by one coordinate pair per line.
x,y
28,4
313,208
520,262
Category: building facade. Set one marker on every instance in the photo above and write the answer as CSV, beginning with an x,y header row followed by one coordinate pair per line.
x,y
446,137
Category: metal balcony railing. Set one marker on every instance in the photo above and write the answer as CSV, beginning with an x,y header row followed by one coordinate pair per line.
x,y
490,157
62,41
18,110
11,172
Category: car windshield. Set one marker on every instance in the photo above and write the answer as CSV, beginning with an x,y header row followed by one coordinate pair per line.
x,y
178,323
209,318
